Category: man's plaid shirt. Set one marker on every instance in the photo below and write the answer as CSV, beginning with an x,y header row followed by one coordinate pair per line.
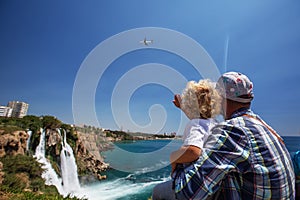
x,y
242,159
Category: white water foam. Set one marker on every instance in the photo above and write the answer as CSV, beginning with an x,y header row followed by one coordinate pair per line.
x,y
118,188
29,132
158,165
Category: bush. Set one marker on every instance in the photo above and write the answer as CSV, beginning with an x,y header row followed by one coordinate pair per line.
x,y
13,165
34,196
14,183
9,129
21,163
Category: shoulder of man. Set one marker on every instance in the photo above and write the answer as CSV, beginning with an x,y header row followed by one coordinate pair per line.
x,y
234,125
230,131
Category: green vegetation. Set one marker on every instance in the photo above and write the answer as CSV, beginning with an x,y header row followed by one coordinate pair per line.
x,y
8,129
34,123
89,129
28,168
24,172
50,122
164,136
9,125
28,122
119,134
139,134
34,196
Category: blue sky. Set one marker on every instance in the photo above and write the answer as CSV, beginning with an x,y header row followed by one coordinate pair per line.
x,y
44,43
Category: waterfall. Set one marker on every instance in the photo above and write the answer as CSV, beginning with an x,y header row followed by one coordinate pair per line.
x,y
29,132
40,149
68,183
68,167
49,175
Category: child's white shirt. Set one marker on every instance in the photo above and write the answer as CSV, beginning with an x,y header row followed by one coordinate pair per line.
x,y
197,131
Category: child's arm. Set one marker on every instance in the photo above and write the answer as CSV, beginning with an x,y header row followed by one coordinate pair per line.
x,y
185,154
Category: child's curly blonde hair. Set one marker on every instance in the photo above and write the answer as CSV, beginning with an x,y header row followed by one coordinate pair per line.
x,y
200,100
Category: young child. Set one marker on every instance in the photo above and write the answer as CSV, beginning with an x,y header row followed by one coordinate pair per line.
x,y
201,103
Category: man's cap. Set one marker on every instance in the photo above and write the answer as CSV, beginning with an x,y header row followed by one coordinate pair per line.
x,y
236,87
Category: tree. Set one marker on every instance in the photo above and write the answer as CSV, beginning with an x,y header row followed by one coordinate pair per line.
x,y
32,123
50,122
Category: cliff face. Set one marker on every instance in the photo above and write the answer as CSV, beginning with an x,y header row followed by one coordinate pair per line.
x,y
88,153
87,144
13,143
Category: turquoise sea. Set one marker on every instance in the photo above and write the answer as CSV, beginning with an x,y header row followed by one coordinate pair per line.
x,y
139,166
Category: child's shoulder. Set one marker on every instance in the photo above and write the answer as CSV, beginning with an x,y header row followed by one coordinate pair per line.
x,y
202,122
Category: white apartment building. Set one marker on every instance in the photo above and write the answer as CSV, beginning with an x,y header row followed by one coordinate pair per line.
x,y
5,111
19,109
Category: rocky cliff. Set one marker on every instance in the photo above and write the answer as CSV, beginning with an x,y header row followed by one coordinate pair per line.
x,y
12,143
88,154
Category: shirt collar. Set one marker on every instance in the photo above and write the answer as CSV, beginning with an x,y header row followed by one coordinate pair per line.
x,y
241,112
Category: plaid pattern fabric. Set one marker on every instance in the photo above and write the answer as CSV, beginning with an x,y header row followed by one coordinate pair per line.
x,y
296,161
242,159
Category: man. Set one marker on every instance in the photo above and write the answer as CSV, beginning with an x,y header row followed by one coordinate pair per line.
x,y
243,158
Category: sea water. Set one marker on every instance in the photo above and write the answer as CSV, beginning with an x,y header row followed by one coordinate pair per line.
x,y
147,166
138,167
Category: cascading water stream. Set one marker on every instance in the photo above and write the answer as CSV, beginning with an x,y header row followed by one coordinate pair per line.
x,y
68,167
49,175
29,132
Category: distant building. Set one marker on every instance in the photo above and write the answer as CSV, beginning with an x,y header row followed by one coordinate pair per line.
x,y
19,109
5,111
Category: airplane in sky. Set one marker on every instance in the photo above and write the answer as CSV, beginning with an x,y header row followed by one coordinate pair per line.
x,y
146,42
